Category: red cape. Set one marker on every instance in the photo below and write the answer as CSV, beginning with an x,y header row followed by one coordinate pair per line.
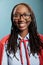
x,y
2,43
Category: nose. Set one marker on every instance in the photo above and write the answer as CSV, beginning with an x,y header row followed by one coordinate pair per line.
x,y
21,18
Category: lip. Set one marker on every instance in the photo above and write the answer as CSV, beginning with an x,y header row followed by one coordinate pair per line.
x,y
22,24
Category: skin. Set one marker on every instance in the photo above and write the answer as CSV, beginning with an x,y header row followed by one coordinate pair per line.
x,y
22,24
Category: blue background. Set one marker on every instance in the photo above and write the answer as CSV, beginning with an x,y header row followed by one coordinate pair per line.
x,y
5,14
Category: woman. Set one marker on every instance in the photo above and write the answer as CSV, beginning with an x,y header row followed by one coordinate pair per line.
x,y
24,45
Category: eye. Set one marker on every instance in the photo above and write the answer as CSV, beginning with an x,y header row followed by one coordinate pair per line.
x,y
24,14
15,15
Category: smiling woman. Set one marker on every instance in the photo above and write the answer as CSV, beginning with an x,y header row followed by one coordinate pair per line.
x,y
21,17
24,45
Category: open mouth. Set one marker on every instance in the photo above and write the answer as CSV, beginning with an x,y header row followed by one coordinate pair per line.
x,y
22,24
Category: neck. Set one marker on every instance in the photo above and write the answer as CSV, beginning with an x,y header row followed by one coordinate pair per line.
x,y
23,33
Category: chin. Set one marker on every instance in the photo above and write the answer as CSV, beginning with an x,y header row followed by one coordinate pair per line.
x,y
22,29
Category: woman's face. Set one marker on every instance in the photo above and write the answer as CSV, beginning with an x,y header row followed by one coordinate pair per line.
x,y
21,17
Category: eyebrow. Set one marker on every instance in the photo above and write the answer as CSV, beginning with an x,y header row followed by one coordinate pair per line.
x,y
22,13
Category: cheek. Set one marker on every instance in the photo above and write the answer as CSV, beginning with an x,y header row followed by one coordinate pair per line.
x,y
15,22
28,23
29,19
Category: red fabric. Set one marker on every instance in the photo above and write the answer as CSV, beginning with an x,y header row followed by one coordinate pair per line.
x,y
1,52
6,38
2,42
26,51
41,54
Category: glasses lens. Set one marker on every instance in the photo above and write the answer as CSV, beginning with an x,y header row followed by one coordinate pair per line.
x,y
17,16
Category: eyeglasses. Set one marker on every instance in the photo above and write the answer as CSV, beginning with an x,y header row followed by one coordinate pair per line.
x,y
18,16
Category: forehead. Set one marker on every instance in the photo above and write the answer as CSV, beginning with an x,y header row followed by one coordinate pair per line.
x,y
21,9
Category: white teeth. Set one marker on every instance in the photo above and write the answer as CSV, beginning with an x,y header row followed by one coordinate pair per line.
x,y
22,24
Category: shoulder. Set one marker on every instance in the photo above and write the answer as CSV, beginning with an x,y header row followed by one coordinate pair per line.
x,y
41,37
3,42
41,53
5,39
2,45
